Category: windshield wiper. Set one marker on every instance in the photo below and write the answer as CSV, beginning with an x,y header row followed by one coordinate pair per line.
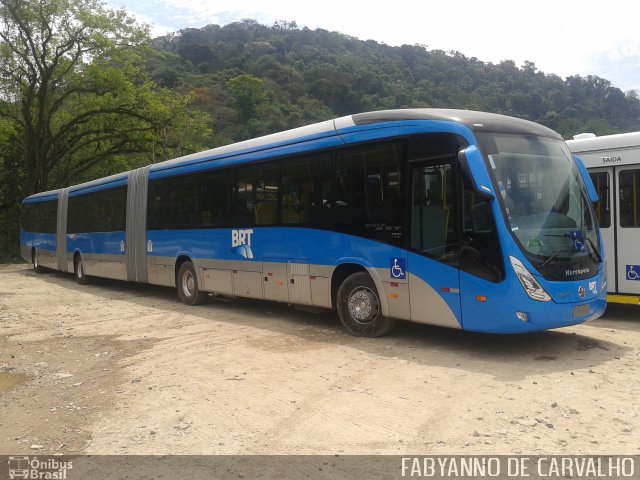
x,y
555,254
594,250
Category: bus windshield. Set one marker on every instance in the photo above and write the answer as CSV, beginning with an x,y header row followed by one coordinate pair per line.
x,y
544,203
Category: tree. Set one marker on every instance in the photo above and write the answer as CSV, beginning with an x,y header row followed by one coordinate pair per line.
x,y
248,93
76,101
73,76
284,25
10,178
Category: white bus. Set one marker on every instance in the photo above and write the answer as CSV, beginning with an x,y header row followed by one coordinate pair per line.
x,y
613,161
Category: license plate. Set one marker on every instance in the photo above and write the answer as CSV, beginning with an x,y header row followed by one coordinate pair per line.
x,y
581,311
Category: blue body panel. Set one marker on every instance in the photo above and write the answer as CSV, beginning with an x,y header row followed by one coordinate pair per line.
x,y
400,128
41,241
319,247
498,313
102,243
41,198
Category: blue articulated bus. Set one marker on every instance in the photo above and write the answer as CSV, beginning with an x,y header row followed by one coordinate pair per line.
x,y
455,218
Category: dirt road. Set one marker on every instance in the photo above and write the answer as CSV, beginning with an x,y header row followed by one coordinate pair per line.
x,y
115,367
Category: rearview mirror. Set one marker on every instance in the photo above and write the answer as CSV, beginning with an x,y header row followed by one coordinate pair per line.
x,y
474,172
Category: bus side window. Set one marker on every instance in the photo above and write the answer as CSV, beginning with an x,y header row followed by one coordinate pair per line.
x,y
368,184
220,198
100,211
155,199
197,200
603,212
257,195
305,185
630,198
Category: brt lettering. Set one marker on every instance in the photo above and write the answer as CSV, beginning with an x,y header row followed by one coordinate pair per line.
x,y
241,237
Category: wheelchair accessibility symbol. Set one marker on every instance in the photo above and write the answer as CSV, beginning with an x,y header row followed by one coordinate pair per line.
x,y
633,272
398,268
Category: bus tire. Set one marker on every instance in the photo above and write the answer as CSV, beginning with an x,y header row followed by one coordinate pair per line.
x,y
78,271
36,264
359,308
187,282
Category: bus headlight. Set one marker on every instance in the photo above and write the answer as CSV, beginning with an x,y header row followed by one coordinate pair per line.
x,y
530,285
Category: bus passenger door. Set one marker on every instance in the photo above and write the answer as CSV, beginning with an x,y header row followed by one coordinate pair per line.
x,y
434,283
628,230
604,179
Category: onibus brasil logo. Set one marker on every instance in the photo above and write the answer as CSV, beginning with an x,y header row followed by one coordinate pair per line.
x,y
34,468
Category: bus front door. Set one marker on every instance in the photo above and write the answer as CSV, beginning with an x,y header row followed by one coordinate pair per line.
x,y
603,179
434,282
628,230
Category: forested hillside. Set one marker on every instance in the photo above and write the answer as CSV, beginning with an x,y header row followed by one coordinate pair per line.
x,y
254,79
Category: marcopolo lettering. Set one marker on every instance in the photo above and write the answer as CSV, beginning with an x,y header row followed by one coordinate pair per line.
x,y
577,271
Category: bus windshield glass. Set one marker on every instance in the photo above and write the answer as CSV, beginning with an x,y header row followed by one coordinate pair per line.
x,y
544,203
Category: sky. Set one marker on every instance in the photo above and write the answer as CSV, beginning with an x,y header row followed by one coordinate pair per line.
x,y
562,37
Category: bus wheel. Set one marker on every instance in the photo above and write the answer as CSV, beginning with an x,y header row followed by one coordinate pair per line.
x,y
188,290
359,309
36,264
78,269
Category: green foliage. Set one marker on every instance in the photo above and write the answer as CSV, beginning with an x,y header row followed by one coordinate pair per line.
x,y
248,95
77,100
79,92
254,79
11,177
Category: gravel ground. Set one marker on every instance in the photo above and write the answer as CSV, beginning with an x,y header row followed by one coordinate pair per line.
x,y
115,367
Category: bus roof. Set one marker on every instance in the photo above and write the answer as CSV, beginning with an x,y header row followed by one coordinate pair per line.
x,y
475,121
287,137
606,142
112,180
